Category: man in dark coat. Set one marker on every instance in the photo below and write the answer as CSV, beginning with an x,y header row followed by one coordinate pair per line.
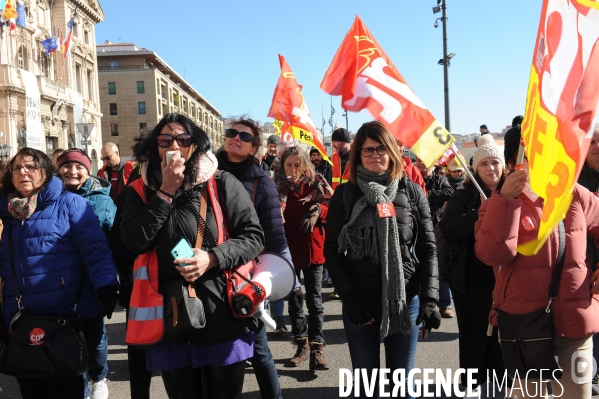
x,y
321,166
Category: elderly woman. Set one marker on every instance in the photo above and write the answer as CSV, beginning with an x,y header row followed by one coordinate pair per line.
x,y
157,215
238,157
53,258
511,217
304,196
381,254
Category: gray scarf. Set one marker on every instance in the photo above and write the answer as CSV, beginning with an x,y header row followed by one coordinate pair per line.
x,y
367,235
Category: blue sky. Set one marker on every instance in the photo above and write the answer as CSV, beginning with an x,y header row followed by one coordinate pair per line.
x,y
228,50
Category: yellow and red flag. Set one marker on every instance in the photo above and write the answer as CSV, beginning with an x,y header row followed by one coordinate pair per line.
x,y
10,11
291,112
563,94
364,77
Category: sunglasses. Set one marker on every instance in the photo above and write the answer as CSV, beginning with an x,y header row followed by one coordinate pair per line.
x,y
243,136
166,140
107,157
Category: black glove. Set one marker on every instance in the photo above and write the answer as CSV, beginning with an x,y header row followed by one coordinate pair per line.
x,y
429,313
357,312
108,297
309,219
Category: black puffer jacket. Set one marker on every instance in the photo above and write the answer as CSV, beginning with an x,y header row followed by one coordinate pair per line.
x,y
421,275
156,223
438,190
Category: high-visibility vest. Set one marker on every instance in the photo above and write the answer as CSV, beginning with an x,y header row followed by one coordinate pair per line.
x,y
337,177
123,177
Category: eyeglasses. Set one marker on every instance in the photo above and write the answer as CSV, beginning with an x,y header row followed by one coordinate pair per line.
x,y
243,136
368,151
16,169
107,157
165,140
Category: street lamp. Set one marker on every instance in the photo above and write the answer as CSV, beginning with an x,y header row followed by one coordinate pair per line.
x,y
441,7
4,151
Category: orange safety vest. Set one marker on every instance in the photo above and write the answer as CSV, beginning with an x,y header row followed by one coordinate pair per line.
x,y
337,178
127,169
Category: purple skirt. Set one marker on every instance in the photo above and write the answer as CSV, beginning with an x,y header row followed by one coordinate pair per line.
x,y
177,354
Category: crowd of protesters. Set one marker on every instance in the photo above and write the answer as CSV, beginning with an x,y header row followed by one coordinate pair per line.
x,y
367,221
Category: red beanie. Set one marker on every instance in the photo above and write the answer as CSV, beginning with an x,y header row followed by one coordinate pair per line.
x,y
74,156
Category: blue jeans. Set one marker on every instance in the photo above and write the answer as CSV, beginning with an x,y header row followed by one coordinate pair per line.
x,y
97,347
264,367
444,295
276,310
364,346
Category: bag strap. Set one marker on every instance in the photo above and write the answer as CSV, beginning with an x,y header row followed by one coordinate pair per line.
x,y
559,267
13,270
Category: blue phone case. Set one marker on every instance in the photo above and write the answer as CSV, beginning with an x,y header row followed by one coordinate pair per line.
x,y
182,250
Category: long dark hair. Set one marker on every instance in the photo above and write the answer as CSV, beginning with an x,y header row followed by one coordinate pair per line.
x,y
39,158
145,148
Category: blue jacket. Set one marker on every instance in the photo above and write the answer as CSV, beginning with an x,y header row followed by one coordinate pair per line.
x,y
53,249
268,208
96,192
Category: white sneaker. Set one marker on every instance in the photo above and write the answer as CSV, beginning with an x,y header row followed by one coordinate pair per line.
x,y
99,389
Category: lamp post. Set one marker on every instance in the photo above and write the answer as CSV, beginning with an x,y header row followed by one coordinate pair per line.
x,y
441,7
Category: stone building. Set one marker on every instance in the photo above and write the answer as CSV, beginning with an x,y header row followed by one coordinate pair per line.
x,y
137,88
42,97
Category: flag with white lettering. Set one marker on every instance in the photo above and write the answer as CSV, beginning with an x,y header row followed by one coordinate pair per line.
x,y
563,93
291,111
364,77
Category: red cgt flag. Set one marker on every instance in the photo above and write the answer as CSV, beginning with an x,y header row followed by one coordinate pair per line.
x,y
364,77
291,111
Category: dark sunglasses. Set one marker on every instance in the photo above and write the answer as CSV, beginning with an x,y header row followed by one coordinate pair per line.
x,y
166,140
243,136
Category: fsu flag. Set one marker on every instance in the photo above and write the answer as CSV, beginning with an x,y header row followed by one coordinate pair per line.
x,y
364,77
562,101
291,111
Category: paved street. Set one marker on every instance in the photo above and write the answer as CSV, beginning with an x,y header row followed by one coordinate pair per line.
x,y
438,351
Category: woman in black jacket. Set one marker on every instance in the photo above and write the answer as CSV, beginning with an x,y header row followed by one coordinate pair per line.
x,y
470,280
380,251
238,157
168,212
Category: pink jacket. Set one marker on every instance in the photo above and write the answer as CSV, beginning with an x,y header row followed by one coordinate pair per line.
x,y
522,282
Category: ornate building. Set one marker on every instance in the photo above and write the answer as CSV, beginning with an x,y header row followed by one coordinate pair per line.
x,y
137,88
42,98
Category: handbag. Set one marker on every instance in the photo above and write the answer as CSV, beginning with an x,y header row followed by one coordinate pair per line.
x,y
43,346
528,340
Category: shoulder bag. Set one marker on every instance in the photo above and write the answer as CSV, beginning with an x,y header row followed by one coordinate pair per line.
x,y
43,346
528,340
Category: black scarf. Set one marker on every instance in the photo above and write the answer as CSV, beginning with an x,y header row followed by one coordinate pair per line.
x,y
237,169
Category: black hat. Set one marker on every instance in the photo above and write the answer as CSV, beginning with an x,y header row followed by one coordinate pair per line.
x,y
341,134
483,126
511,142
273,139
314,150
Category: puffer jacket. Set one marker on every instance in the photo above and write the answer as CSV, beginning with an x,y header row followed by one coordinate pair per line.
x,y
589,179
53,249
522,282
157,224
96,192
438,191
421,274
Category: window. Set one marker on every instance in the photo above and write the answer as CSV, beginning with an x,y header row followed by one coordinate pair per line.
x,y
75,29
51,144
142,127
21,58
113,109
141,108
114,129
90,92
86,37
78,77
157,86
140,88
114,65
159,107
111,88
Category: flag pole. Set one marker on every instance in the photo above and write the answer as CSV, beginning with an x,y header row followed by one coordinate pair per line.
x,y
472,179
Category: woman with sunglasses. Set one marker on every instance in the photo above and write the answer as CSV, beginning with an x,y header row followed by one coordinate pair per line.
x,y
381,254
209,360
304,197
238,157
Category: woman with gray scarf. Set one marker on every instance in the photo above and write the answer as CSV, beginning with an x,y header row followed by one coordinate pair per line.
x,y
381,253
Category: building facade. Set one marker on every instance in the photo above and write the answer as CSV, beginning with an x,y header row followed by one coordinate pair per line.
x,y
42,97
137,88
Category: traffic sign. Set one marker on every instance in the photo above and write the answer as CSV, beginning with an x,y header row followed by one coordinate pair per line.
x,y
85,129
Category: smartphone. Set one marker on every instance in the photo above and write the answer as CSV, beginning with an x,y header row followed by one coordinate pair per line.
x,y
169,155
182,250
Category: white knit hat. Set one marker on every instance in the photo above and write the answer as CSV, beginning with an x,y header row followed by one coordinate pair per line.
x,y
453,165
487,148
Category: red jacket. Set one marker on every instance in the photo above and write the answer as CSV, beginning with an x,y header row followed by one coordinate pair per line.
x,y
305,249
522,282
413,173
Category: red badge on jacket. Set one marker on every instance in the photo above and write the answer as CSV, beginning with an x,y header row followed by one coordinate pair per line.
x,y
527,223
36,336
386,210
